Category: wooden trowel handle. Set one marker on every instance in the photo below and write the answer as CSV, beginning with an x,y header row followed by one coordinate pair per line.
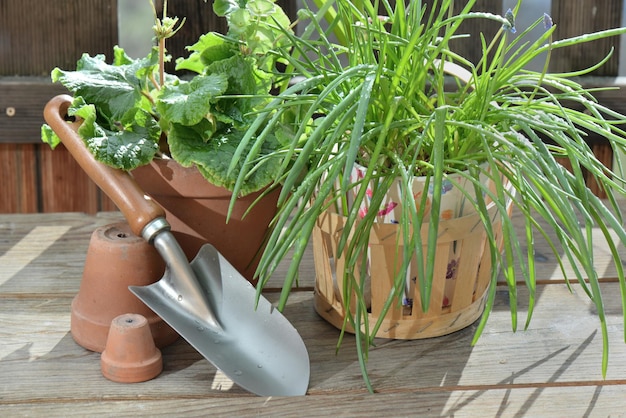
x,y
138,209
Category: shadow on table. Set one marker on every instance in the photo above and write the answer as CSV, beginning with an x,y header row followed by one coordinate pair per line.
x,y
440,365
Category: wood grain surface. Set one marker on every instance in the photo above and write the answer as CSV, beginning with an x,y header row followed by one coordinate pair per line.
x,y
551,369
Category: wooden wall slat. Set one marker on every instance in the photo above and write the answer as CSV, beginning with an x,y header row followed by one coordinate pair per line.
x,y
18,171
36,36
470,47
104,203
21,107
575,17
604,153
64,185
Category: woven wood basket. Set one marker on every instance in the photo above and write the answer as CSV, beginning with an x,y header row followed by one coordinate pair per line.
x,y
462,273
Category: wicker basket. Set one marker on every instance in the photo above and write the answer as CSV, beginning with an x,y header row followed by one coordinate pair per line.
x,y
461,279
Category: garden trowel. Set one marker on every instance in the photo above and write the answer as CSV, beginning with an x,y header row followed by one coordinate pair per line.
x,y
207,301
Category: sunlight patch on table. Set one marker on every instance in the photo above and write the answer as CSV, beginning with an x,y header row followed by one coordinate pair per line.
x,y
221,382
603,263
605,266
28,345
28,249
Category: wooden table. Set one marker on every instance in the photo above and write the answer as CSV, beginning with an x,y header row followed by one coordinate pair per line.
x,y
552,369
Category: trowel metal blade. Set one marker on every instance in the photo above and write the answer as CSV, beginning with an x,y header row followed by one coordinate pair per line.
x,y
258,349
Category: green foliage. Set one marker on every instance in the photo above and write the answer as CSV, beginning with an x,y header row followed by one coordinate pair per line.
x,y
113,88
125,148
395,98
130,106
392,96
256,22
188,103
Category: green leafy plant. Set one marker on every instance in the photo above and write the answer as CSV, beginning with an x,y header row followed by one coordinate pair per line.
x,y
383,97
134,111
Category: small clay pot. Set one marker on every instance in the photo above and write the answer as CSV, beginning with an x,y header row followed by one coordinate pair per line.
x,y
130,355
116,259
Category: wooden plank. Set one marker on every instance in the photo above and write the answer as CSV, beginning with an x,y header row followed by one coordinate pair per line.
x,y
593,400
38,36
104,203
557,359
604,153
470,47
41,361
64,185
21,107
43,277
30,247
18,170
576,17
58,270
546,266
556,348
21,117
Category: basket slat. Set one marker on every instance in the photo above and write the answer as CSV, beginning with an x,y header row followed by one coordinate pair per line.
x,y
464,290
462,255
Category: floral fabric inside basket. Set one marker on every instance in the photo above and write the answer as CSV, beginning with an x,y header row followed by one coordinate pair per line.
x,y
454,204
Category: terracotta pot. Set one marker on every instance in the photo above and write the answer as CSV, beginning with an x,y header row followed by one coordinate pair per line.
x,y
130,355
197,211
115,260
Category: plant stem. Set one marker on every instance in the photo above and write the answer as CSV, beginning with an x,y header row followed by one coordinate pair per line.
x,y
162,49
154,82
162,59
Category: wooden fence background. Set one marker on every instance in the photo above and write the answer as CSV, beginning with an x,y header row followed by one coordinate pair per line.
x,y
36,36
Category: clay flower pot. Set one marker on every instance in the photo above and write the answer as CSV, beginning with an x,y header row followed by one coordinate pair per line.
x,y
197,211
116,259
130,355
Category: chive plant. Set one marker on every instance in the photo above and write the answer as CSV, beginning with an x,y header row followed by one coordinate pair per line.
x,y
381,95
